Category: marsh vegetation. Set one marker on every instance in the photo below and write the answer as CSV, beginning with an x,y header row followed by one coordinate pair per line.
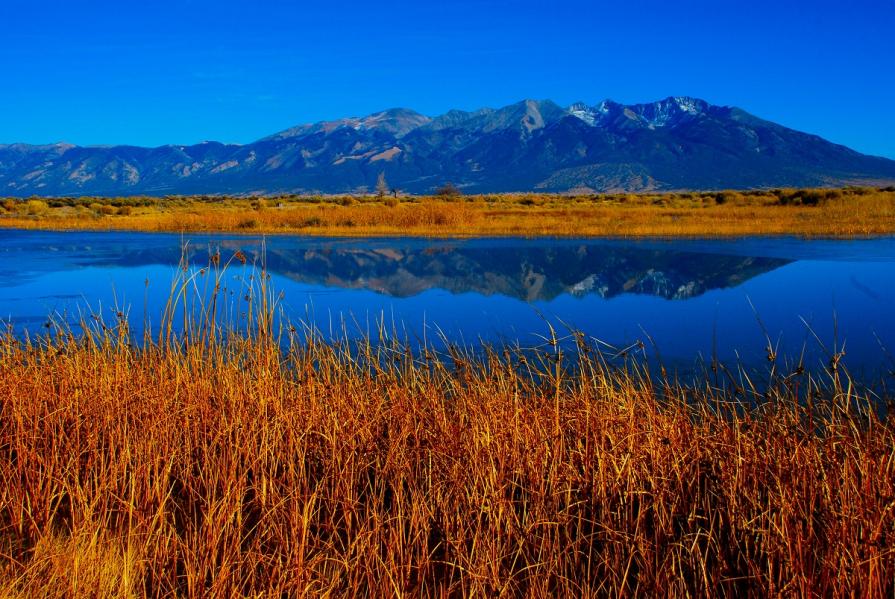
x,y
847,212
252,458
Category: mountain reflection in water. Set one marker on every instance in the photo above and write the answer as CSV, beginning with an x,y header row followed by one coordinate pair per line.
x,y
692,297
526,273
529,270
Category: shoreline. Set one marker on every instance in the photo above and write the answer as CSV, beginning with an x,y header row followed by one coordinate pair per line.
x,y
217,445
339,234
849,213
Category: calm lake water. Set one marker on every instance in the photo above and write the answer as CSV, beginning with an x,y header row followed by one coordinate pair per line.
x,y
688,296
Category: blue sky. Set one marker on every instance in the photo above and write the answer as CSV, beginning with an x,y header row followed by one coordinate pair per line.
x,y
164,71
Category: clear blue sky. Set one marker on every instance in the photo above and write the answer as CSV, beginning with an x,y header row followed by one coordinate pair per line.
x,y
165,71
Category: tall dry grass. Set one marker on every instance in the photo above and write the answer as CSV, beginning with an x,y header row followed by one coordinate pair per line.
x,y
245,457
845,212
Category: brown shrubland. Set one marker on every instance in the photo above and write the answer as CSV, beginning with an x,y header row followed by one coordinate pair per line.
x,y
848,212
251,457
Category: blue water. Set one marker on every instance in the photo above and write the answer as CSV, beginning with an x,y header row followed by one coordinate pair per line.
x,y
685,299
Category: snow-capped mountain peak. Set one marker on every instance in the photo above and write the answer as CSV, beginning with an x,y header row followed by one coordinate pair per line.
x,y
661,113
584,112
671,143
690,105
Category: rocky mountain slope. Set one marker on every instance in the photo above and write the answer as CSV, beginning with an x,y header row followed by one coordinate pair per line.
x,y
675,143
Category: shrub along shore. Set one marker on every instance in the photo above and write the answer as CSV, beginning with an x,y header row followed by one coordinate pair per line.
x,y
255,459
847,212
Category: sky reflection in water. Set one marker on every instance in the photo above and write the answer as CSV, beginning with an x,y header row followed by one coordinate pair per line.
x,y
682,293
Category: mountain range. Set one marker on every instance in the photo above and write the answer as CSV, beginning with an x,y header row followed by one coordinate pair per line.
x,y
678,143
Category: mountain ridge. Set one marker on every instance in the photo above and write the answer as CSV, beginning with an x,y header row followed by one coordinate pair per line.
x,y
677,143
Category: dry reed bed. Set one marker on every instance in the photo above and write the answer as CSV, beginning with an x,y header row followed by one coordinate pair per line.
x,y
219,469
246,458
844,213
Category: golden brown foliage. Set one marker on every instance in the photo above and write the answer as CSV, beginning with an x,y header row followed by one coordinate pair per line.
x,y
815,212
193,466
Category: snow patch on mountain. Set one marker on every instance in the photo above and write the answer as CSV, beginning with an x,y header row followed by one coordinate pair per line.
x,y
584,112
662,113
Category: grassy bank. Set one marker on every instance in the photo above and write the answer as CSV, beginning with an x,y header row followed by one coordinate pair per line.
x,y
245,465
828,212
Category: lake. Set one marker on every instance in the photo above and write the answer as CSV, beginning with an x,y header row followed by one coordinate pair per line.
x,y
685,299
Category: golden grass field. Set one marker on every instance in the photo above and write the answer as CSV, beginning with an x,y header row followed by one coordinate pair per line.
x,y
848,212
231,461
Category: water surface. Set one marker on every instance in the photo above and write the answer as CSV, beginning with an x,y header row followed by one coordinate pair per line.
x,y
686,299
